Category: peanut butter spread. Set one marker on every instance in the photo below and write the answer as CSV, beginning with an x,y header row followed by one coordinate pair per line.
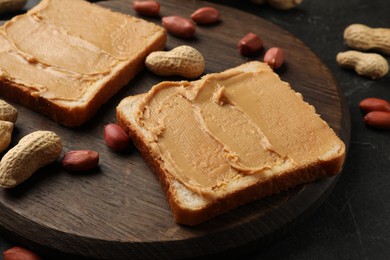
x,y
61,48
231,124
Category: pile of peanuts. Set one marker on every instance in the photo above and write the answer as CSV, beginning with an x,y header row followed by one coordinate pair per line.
x,y
185,60
252,43
41,148
361,38
34,151
377,112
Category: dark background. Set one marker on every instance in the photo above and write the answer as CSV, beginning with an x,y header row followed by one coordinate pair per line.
x,y
354,221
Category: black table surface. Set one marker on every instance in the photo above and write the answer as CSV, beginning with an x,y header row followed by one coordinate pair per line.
x,y
354,221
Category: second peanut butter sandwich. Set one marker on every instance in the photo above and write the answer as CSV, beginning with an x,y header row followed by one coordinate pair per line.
x,y
65,59
228,139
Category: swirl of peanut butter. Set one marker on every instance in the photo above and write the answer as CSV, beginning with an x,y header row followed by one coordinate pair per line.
x,y
229,125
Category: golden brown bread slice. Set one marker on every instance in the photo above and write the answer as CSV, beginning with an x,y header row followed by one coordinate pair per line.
x,y
65,59
228,139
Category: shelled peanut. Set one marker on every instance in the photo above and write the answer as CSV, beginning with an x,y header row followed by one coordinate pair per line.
x,y
179,26
378,119
377,112
147,8
186,28
206,15
249,44
116,138
274,57
80,160
374,104
20,253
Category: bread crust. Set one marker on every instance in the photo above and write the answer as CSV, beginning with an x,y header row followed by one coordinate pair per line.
x,y
72,116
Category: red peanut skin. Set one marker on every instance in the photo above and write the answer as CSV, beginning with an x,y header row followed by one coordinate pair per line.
x,y
179,26
80,160
20,253
374,104
378,119
274,57
116,138
249,44
148,8
205,15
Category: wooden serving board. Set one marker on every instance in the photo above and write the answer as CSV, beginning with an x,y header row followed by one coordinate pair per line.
x,y
119,211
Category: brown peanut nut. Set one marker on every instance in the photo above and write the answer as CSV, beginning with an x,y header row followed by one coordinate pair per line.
x,y
249,44
362,37
378,119
148,8
205,15
116,138
8,112
20,253
80,160
183,60
370,65
374,104
6,129
274,57
33,151
179,26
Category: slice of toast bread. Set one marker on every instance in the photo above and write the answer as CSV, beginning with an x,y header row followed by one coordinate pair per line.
x,y
65,59
249,133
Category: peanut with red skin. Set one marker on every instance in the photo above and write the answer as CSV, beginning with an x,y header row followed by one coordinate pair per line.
x,y
249,44
179,26
116,138
374,104
80,160
148,8
20,253
378,119
274,57
205,15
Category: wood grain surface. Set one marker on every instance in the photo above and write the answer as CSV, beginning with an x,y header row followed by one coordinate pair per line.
x,y
119,211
